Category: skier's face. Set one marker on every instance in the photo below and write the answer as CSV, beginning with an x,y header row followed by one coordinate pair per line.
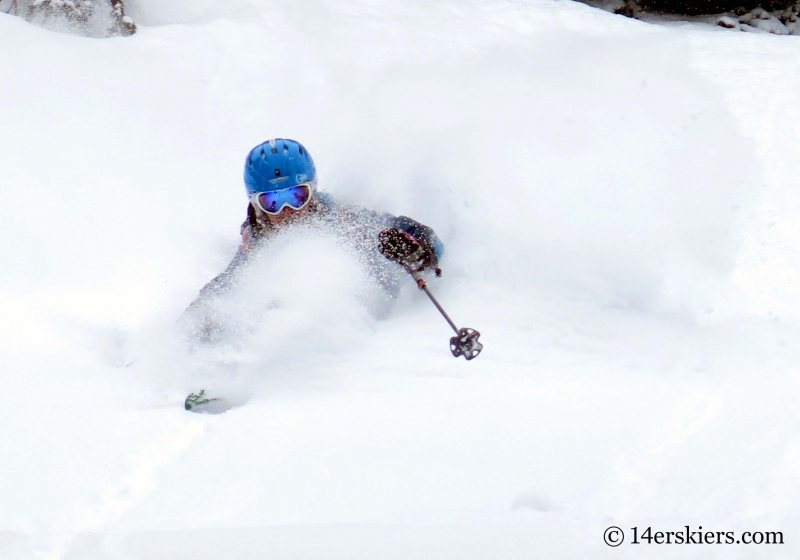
x,y
286,216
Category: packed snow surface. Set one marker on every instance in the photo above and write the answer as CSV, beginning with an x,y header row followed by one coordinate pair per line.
x,y
619,206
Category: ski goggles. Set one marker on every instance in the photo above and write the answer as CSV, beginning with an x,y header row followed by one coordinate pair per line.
x,y
272,202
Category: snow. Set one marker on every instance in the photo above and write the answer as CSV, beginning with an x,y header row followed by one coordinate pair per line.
x,y
618,204
760,19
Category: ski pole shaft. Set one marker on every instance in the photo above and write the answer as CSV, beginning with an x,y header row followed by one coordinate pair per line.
x,y
439,307
424,287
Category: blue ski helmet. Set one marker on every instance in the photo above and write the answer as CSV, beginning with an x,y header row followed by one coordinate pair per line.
x,y
278,164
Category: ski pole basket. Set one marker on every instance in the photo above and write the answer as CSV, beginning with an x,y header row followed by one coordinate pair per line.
x,y
466,344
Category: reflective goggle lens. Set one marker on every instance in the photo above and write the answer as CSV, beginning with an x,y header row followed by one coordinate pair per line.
x,y
272,202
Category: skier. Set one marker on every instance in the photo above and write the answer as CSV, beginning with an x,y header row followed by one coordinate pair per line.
x,y
281,183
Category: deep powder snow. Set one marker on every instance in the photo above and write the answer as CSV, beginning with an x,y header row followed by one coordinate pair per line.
x,y
618,205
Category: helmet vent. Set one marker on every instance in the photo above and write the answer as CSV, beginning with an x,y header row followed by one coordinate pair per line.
x,y
277,172
285,149
274,150
301,151
263,153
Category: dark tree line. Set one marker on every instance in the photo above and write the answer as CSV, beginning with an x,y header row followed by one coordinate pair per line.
x,y
779,17
696,7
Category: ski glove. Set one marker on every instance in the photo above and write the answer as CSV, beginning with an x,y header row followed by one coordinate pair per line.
x,y
411,244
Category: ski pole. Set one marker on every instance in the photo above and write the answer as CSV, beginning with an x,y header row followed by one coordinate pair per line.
x,y
402,248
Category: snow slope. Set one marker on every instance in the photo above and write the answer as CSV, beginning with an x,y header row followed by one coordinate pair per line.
x,y
617,200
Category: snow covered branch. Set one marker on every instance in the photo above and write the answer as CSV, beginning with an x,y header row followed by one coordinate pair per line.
x,y
92,18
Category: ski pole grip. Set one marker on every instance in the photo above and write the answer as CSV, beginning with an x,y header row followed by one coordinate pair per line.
x,y
415,275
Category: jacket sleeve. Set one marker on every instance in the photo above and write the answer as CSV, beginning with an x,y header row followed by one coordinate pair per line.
x,y
202,321
372,222
223,281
